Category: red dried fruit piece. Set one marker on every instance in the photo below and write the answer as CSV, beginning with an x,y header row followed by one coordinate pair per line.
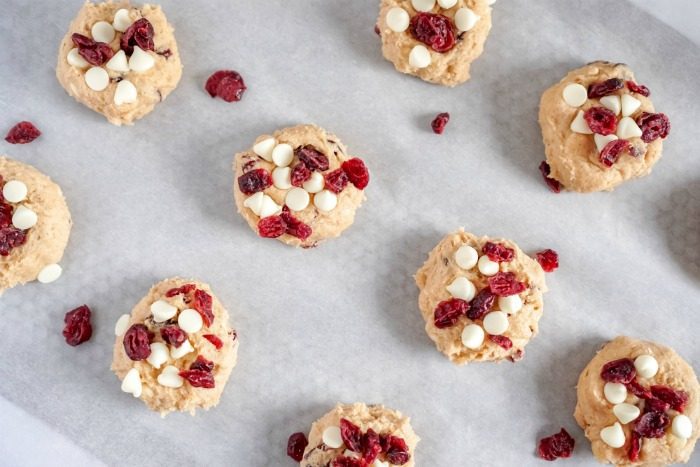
x,y
517,356
351,435
344,461
371,446
433,30
498,252
481,304
78,328
612,151
82,41
336,181
95,53
296,444
312,158
357,172
272,227
203,304
652,424
22,133
5,211
376,30
447,313
505,284
656,405
215,341
184,290
254,181
440,122
601,120
638,390
202,364
10,238
300,174
638,88
137,342
295,227
397,450
635,447
553,184
198,378
653,126
559,445
548,259
618,371
226,84
173,335
140,33
503,341
675,398
605,88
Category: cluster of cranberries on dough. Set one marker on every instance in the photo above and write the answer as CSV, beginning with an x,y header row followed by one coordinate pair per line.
x,y
299,185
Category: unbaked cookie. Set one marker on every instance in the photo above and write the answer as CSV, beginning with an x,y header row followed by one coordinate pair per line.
x,y
176,350
299,185
481,298
349,433
435,41
599,129
638,404
34,225
119,60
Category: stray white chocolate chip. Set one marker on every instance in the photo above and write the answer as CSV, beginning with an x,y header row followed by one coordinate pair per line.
x,y
122,325
170,377
331,437
472,336
125,93
50,274
14,191
102,31
575,95
141,60
131,383
97,78
419,57
397,19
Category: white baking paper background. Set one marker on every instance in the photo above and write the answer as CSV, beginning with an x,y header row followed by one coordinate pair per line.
x,y
340,322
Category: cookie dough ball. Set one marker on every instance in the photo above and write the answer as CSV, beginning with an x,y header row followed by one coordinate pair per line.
x,y
299,185
435,41
119,60
599,129
176,350
34,225
481,298
386,435
638,403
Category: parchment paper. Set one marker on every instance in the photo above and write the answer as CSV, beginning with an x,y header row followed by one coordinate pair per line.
x,y
340,322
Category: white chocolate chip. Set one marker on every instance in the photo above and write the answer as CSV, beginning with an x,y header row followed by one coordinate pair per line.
x,y
510,304
282,155
575,95
611,103
602,140
315,183
419,57
626,412
466,257
75,59
487,267
297,199
627,128
579,124
24,218
122,21
331,437
162,311
159,354
125,93
613,435
190,321
269,207
14,191
122,325
423,5
466,19
378,463
118,62
462,288
646,366
325,201
615,393
97,78
102,31
472,336
264,148
282,178
50,274
255,202
447,3
496,323
397,19
170,377
132,383
141,60
629,105
184,349
682,426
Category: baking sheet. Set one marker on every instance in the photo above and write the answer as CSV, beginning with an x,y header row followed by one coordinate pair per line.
x,y
340,322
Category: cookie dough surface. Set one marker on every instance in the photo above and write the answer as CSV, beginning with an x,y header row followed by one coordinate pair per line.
x,y
442,269
186,397
448,68
152,86
323,224
573,157
45,241
594,411
382,420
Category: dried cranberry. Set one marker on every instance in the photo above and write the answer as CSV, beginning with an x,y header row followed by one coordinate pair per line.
x,y
344,461
504,284
397,450
357,172
226,84
215,341
376,30
638,390
635,447
638,88
553,184
605,88
502,341
300,174
601,120
440,122
254,181
652,424
82,41
22,133
202,364
139,33
95,53
675,398
173,335
498,252
612,151
203,304
433,30
559,445
184,290
336,181
481,304
653,126
296,445
447,313
312,158
656,405
295,227
351,435
198,378
10,238
371,446
137,342
618,371
272,227
78,328
548,259
5,210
